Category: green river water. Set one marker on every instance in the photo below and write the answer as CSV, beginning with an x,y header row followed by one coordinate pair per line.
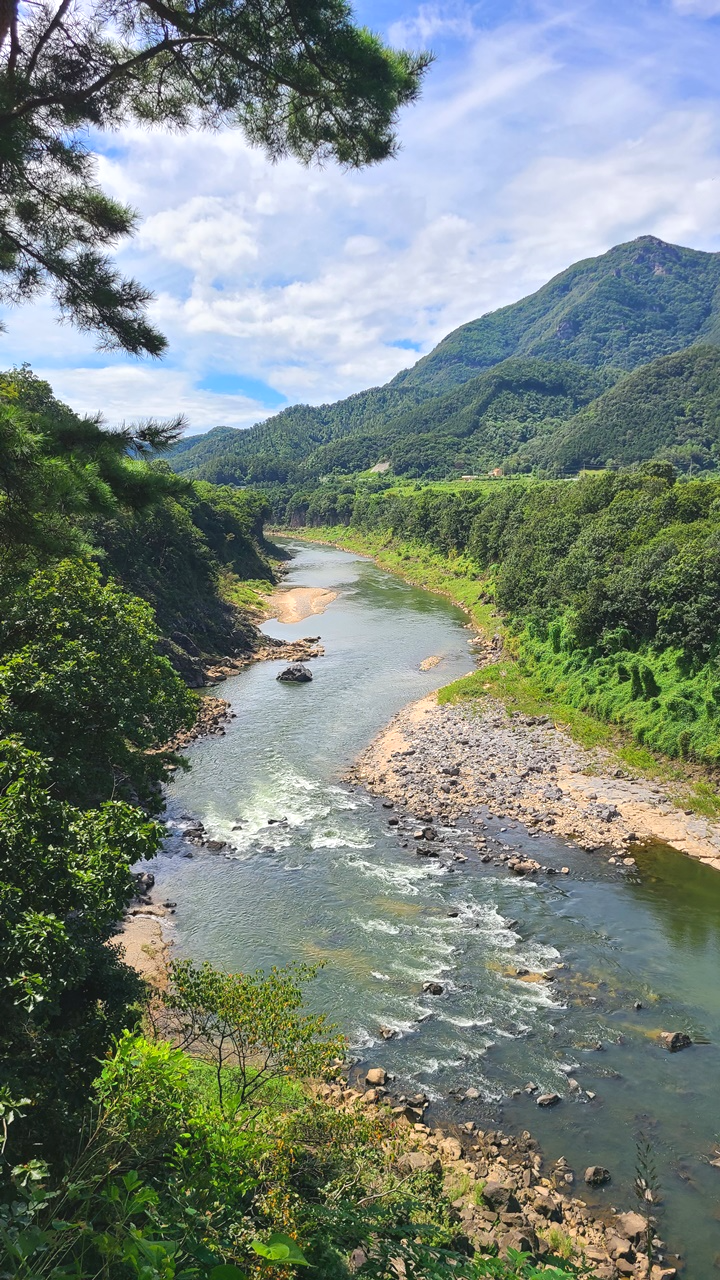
x,y
329,882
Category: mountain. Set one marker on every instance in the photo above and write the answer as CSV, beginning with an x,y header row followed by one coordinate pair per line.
x,y
637,301
605,316
667,409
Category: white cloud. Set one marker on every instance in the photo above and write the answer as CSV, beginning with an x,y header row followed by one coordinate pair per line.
x,y
543,137
127,392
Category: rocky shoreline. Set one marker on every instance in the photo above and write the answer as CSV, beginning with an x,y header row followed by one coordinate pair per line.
x,y
502,1196
466,761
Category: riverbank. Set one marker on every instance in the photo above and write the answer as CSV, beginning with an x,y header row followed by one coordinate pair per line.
x,y
294,604
501,1193
453,762
690,788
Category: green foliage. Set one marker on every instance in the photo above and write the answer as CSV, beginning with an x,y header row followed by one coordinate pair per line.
x,y
59,470
81,682
64,882
668,409
252,1028
609,584
166,1187
70,487
303,81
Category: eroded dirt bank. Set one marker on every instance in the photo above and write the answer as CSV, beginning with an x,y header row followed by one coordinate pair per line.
x,y
453,761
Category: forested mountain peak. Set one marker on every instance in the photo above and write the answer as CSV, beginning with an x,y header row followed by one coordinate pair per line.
x,y
604,317
640,300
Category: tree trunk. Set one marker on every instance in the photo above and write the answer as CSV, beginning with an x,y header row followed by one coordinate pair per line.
x,y
7,19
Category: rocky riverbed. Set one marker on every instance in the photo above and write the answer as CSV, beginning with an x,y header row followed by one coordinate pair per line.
x,y
464,761
503,1195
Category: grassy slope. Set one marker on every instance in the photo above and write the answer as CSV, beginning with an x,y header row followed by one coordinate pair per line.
x,y
520,690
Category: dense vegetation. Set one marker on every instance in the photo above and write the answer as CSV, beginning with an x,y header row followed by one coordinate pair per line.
x,y
70,488
521,388
167,1135
610,584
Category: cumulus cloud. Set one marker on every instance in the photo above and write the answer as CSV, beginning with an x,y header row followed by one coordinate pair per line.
x,y
546,133
128,392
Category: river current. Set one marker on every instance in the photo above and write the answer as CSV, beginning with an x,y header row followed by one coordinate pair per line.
x,y
313,873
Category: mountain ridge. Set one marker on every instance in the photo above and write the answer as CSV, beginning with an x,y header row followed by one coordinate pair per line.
x,y
608,315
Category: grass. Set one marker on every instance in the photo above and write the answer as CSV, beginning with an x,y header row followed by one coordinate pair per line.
x,y
560,1243
250,596
518,688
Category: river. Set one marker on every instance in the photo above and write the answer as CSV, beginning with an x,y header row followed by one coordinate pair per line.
x,y
314,874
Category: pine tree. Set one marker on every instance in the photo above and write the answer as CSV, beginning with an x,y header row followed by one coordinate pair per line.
x,y
297,76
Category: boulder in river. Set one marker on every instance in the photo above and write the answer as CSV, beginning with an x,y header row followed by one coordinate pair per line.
x,y
433,988
596,1176
298,673
675,1040
548,1099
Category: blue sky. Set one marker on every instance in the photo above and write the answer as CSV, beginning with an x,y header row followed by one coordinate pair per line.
x,y
547,132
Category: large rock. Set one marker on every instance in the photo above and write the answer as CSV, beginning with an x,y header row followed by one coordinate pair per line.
x,y
675,1040
376,1076
500,1197
548,1099
296,674
523,1239
433,988
420,1162
596,1176
632,1225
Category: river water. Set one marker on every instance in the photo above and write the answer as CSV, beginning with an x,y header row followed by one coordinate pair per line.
x,y
313,873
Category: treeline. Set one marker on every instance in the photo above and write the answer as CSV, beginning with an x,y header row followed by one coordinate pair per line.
x,y
610,584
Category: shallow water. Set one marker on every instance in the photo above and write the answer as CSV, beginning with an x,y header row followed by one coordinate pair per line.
x,y
329,882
